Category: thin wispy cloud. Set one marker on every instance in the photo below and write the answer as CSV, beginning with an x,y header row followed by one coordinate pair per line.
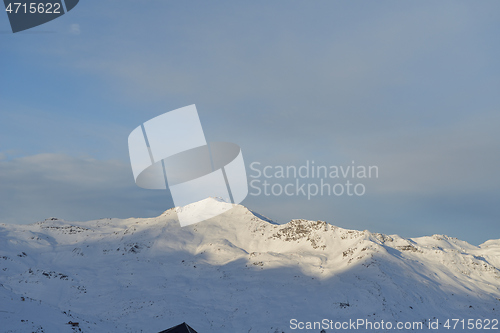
x,y
57,185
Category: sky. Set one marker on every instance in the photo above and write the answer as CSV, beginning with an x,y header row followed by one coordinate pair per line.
x,y
409,87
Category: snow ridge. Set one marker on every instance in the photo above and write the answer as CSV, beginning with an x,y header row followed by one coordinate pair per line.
x,y
237,272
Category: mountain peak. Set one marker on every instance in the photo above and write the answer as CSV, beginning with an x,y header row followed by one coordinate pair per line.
x,y
144,273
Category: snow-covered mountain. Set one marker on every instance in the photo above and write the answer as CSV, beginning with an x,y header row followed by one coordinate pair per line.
x,y
237,272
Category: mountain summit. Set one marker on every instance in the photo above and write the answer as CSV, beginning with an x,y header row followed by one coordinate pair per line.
x,y
237,272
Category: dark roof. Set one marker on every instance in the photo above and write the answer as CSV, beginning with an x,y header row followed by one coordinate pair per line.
x,y
182,328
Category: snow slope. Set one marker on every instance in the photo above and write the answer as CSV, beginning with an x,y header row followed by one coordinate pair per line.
x,y
234,273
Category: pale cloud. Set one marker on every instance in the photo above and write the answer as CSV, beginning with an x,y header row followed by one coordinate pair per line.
x,y
457,158
45,185
74,29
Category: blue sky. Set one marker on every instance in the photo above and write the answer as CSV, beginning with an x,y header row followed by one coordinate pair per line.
x,y
411,87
